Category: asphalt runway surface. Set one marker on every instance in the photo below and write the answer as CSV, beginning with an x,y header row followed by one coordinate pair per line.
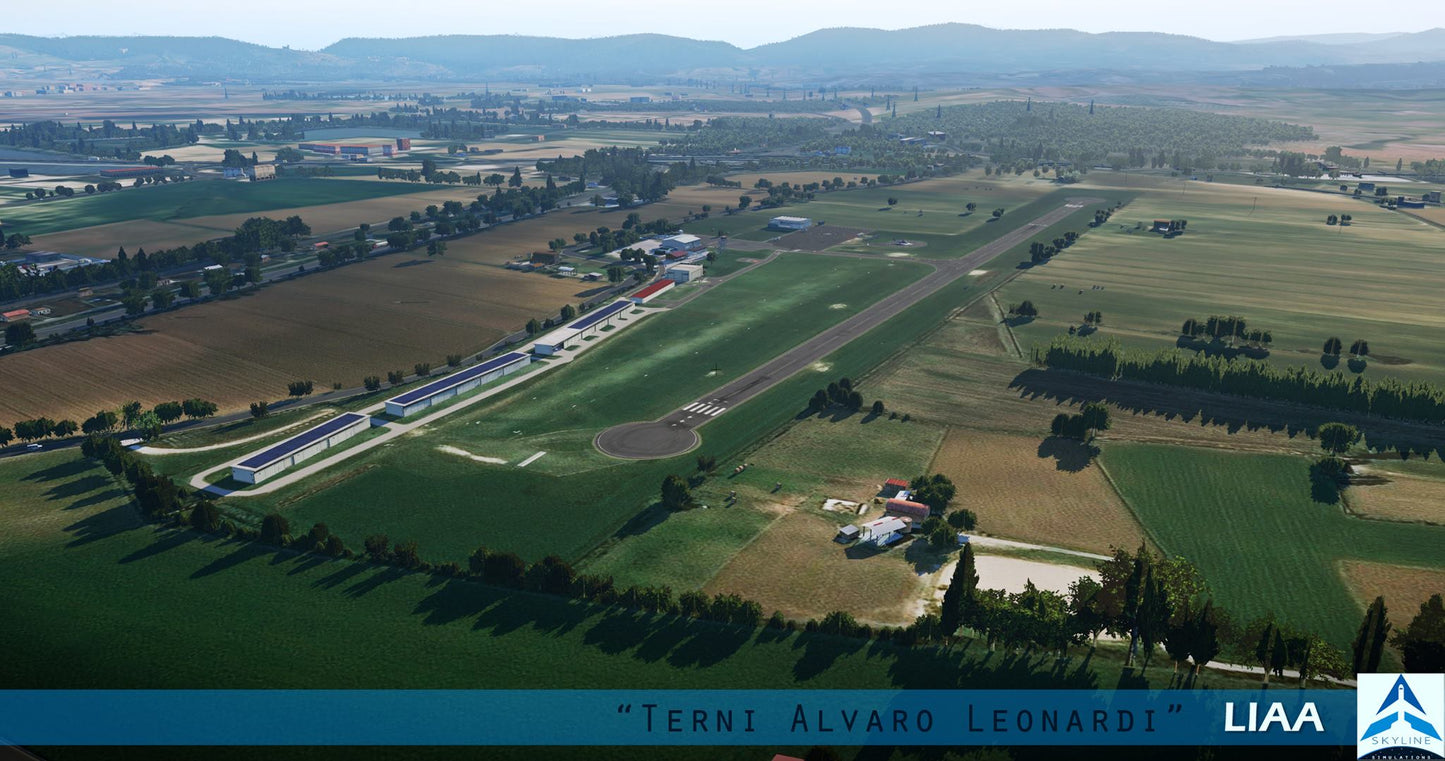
x,y
676,433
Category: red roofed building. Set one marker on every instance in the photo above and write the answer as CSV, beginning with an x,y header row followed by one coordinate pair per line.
x,y
908,509
14,315
892,486
651,292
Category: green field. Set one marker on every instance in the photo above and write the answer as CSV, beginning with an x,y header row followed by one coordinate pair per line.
x,y
943,226
1249,523
198,198
573,497
1261,253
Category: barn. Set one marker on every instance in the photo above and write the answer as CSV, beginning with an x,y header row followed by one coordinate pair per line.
x,y
309,443
456,384
905,508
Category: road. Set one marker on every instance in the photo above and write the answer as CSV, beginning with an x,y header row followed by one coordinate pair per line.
x,y
676,432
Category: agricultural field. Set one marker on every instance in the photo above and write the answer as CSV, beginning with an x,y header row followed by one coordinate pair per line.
x,y
1249,523
197,198
1045,491
637,375
1265,254
1404,588
1398,491
362,319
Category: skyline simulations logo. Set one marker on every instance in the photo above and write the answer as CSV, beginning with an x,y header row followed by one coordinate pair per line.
x,y
1400,716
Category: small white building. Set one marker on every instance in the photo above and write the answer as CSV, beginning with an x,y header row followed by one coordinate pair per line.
x,y
684,273
790,223
884,531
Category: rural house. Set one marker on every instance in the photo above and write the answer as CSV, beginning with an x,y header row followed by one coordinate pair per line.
x,y
908,509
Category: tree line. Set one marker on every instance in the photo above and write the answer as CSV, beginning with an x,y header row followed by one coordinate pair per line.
x,y
253,236
1386,397
130,417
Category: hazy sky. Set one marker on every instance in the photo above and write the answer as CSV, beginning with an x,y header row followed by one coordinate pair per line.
x,y
312,24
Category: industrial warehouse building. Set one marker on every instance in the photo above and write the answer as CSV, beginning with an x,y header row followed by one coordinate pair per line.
x,y
456,384
884,531
681,243
790,223
684,273
272,460
594,321
652,291
907,508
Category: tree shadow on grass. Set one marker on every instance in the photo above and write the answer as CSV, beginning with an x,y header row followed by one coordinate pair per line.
x,y
97,498
165,542
924,557
306,563
411,263
380,577
709,644
820,652
245,552
1070,455
65,469
515,609
342,575
101,525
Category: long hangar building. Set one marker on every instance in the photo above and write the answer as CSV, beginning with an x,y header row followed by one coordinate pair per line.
x,y
456,384
595,320
313,441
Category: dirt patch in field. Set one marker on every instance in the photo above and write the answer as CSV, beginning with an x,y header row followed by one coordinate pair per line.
x,y
819,237
795,567
1047,493
339,326
1398,498
1404,587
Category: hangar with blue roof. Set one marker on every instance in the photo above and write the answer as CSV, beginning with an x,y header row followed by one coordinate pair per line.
x,y
580,328
313,441
457,383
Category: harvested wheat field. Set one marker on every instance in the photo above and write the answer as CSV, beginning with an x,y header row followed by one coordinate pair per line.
x,y
1047,492
329,217
1404,587
340,326
1400,498
104,240
795,567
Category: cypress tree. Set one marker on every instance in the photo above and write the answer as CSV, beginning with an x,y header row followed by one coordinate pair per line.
x,y
962,593
1370,641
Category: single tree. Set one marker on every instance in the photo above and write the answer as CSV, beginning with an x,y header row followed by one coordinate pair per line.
x,y
1337,438
1333,346
1369,643
961,596
1422,643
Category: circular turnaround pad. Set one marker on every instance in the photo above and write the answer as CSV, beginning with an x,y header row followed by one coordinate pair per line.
x,y
646,441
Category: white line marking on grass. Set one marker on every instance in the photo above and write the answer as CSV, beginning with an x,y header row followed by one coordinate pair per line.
x,y
474,457
530,460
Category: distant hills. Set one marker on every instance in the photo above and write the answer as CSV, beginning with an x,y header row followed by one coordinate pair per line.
x,y
960,53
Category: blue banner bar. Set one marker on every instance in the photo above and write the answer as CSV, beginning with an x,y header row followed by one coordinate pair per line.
x,y
677,717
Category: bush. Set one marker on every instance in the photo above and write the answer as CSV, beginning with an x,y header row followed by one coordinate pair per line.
x,y
274,528
205,517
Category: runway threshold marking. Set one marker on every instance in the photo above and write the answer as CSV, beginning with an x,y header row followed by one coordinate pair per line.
x,y
530,460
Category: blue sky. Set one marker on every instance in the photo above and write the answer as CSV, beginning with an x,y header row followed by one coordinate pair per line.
x,y
311,24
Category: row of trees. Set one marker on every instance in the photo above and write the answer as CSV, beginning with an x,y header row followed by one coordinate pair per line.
x,y
1387,397
1040,252
1091,418
131,417
1226,328
840,393
246,243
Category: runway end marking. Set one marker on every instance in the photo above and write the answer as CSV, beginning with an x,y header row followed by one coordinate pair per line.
x,y
530,460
